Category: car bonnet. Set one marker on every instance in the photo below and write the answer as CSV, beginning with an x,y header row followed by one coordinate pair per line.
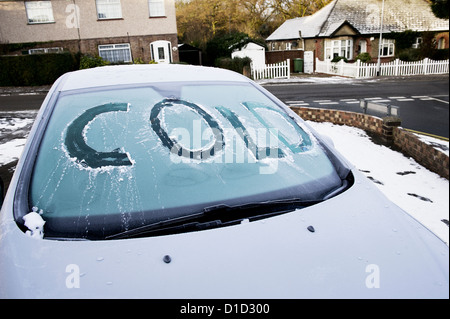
x,y
356,245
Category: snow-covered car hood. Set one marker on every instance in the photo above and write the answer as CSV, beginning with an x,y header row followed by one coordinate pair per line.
x,y
363,246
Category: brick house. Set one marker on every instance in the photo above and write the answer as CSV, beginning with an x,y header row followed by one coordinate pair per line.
x,y
350,27
117,30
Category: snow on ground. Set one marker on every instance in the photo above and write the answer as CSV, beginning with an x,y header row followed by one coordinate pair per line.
x,y
421,193
309,79
11,123
11,151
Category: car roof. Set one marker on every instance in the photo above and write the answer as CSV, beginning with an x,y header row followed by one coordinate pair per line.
x,y
141,74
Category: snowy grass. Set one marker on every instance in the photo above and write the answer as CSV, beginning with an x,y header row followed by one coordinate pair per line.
x,y
421,193
11,151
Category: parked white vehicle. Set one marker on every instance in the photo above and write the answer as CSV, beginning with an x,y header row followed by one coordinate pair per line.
x,y
170,181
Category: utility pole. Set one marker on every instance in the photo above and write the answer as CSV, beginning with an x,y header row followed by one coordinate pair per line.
x,y
381,41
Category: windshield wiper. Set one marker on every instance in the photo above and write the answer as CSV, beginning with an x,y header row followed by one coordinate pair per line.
x,y
216,216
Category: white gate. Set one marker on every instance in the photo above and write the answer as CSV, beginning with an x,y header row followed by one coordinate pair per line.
x,y
308,62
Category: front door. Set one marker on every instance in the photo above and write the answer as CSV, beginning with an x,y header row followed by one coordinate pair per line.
x,y
161,51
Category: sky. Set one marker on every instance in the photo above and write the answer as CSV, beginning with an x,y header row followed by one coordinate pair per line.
x,y
421,193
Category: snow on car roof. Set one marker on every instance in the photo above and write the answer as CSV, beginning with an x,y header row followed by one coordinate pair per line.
x,y
142,74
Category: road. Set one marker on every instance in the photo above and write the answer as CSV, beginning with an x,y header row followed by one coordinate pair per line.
x,y
423,102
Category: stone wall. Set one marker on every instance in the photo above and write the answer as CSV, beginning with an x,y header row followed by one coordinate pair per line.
x,y
389,130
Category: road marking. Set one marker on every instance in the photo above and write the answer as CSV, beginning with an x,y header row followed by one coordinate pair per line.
x,y
372,98
428,134
352,102
293,102
322,101
435,99
299,104
328,103
405,100
396,97
348,100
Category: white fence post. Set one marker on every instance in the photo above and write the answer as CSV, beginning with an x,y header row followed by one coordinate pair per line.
x,y
425,66
288,62
358,67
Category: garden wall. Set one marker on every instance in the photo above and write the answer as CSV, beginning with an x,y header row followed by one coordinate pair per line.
x,y
389,130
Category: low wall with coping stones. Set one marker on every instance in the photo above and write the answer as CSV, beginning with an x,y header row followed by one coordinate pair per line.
x,y
388,129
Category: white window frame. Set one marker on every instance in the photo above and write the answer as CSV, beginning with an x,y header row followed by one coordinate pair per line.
x,y
113,52
342,48
156,8
417,42
387,48
46,50
362,46
36,9
108,9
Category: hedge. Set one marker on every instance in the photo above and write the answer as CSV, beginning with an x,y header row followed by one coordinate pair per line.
x,y
36,69
235,64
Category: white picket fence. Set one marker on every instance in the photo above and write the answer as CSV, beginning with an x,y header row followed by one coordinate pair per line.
x,y
394,68
280,70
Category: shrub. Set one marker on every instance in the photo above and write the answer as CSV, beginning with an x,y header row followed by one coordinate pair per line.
x,y
410,54
339,58
364,57
235,64
89,61
36,69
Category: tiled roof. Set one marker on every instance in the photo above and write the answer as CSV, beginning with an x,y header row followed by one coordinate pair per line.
x,y
364,15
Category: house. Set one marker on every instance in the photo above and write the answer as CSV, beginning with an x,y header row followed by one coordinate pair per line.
x,y
252,50
346,28
116,30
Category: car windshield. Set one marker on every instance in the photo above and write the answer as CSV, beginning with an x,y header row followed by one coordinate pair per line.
x,y
116,159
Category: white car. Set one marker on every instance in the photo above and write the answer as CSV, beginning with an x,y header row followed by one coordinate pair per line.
x,y
151,181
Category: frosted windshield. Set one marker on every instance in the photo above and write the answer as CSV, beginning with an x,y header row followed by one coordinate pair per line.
x,y
117,159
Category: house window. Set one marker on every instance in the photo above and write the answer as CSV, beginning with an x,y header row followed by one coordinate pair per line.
x,y
441,43
156,8
335,48
387,48
417,43
39,12
46,50
109,9
288,46
115,53
362,47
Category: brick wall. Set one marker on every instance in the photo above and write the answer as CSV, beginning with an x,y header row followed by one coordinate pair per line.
x,y
362,121
424,154
281,56
387,129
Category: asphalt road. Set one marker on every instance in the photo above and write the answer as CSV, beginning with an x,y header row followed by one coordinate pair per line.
x,y
21,102
423,101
